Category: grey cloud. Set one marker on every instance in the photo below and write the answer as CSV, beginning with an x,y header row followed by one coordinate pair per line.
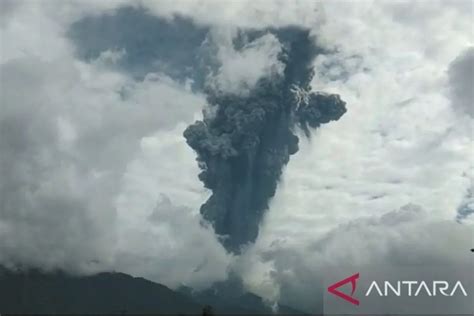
x,y
244,13
152,43
461,82
7,7
238,69
44,219
65,146
400,238
183,251
466,208
208,55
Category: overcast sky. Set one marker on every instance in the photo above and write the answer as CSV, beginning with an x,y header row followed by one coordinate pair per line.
x,y
95,174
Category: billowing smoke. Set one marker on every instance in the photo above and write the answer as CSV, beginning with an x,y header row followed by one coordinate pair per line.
x,y
244,144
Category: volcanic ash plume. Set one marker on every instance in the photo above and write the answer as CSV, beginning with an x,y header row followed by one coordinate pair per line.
x,y
244,145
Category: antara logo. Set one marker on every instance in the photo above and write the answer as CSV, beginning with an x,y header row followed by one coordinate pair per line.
x,y
353,280
399,288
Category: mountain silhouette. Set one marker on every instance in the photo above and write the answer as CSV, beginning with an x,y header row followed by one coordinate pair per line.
x,y
37,292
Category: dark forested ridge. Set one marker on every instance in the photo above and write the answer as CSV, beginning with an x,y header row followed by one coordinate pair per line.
x,y
114,293
35,292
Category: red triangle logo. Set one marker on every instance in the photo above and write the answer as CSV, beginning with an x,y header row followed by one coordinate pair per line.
x,y
333,289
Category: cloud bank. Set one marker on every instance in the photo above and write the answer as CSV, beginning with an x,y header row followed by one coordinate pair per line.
x,y
95,173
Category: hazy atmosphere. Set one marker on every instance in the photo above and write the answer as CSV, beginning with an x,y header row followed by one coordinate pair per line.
x,y
188,142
